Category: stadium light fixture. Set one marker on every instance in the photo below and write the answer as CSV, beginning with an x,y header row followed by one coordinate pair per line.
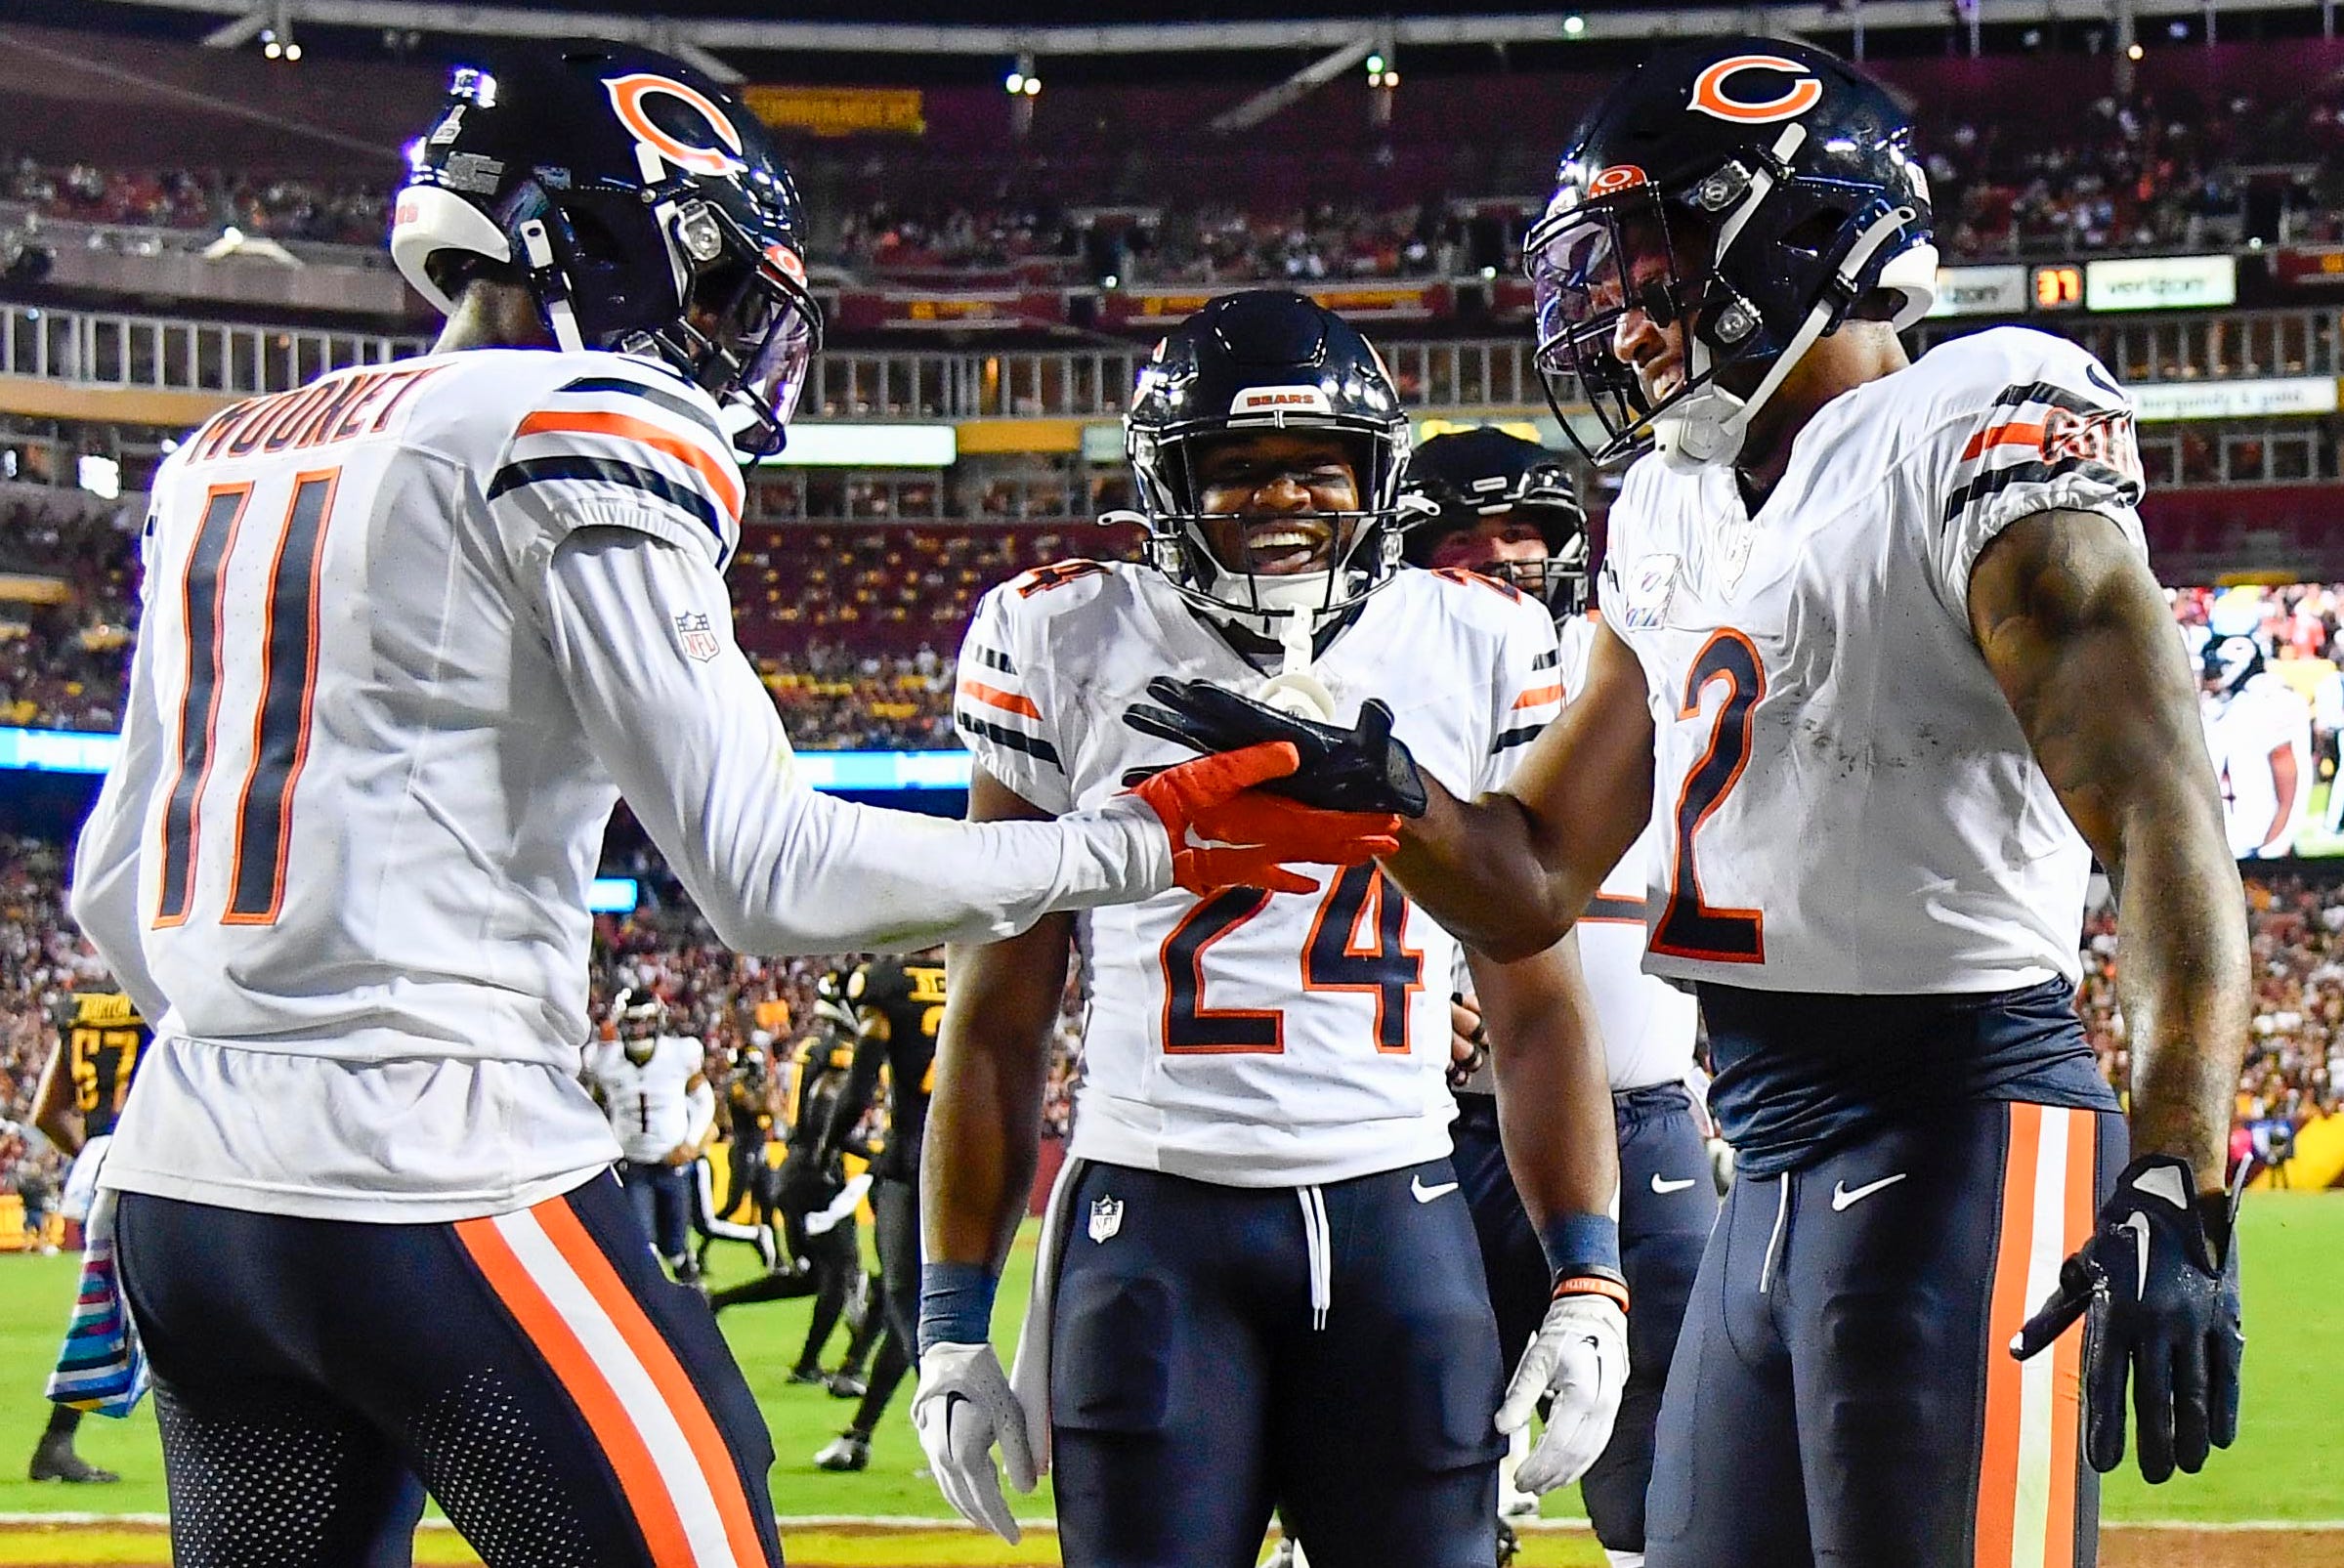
x,y
1574,25
1375,66
1015,82
1032,86
2136,52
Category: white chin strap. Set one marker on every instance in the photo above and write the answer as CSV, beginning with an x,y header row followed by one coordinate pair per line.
x,y
1709,426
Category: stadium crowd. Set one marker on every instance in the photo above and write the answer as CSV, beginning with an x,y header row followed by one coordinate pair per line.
x,y
212,199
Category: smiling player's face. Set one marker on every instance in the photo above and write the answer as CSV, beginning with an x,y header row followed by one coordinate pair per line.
x,y
1261,488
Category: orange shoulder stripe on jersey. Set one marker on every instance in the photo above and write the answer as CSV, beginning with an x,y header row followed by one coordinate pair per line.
x,y
721,476
995,696
690,1409
2008,433
1998,1469
1539,697
598,1404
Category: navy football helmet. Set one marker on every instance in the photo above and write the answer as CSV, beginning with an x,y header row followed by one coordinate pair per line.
x,y
1266,360
1471,475
2229,662
641,205
1758,192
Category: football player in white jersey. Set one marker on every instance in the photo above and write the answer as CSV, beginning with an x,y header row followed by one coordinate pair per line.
x,y
1258,1284
408,633
653,1089
2259,731
1505,508
1882,652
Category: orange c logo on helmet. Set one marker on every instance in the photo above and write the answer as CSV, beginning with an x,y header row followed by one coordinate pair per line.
x,y
785,260
1619,177
628,94
1711,97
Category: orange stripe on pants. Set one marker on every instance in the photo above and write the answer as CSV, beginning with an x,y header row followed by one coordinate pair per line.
x,y
675,1387
2076,1209
574,1369
1998,1469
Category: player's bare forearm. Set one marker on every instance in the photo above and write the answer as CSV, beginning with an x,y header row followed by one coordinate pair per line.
x,y
53,1104
1554,1095
1508,874
984,1130
2079,635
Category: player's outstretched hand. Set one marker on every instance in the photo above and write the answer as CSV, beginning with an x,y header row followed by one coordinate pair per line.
x,y
1226,832
960,1409
1581,1358
1362,768
2157,1287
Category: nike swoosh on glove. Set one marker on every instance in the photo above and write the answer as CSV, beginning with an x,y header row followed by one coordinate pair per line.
x,y
2157,1287
1227,833
1363,767
1580,1357
960,1409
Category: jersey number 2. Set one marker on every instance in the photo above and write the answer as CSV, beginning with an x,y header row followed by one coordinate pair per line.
x,y
1335,958
288,677
1689,927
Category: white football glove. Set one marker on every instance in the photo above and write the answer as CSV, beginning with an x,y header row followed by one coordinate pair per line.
x,y
962,1408
1581,1357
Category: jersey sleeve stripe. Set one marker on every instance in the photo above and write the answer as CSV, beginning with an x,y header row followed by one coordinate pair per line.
x,y
1520,735
995,696
1986,485
2011,433
993,659
681,407
1001,735
1550,658
1539,697
722,477
601,472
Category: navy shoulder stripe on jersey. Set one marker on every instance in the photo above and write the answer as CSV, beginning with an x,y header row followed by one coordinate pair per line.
x,y
1001,735
602,471
681,407
1999,480
1546,659
1520,735
995,658
2048,392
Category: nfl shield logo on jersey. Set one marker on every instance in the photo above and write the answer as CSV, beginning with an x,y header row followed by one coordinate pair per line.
x,y
698,637
1106,1218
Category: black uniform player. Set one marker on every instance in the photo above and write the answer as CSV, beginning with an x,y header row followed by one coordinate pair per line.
x,y
822,1255
100,1040
1507,509
746,1102
899,1005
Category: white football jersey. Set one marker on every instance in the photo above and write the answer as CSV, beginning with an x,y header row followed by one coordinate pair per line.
x,y
1249,1038
2260,738
1649,1024
1847,802
649,1103
408,632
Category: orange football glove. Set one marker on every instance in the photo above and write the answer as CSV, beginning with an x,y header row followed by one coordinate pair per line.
x,y
1227,834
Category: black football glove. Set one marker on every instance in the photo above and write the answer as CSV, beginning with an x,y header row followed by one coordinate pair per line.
x,y
1364,768
2157,1287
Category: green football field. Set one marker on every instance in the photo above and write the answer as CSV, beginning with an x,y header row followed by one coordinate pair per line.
x,y
2286,1465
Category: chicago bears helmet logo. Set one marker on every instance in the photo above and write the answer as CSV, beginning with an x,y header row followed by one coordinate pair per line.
x,y
1619,177
627,100
1711,97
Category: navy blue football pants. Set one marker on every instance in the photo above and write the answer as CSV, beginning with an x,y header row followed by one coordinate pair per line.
x,y
662,1198
1194,1387
1843,1395
1668,1205
565,1403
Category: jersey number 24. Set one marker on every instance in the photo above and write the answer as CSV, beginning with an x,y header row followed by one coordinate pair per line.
x,y
1338,956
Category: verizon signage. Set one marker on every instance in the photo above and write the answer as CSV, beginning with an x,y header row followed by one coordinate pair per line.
x,y
1980,291
2160,283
